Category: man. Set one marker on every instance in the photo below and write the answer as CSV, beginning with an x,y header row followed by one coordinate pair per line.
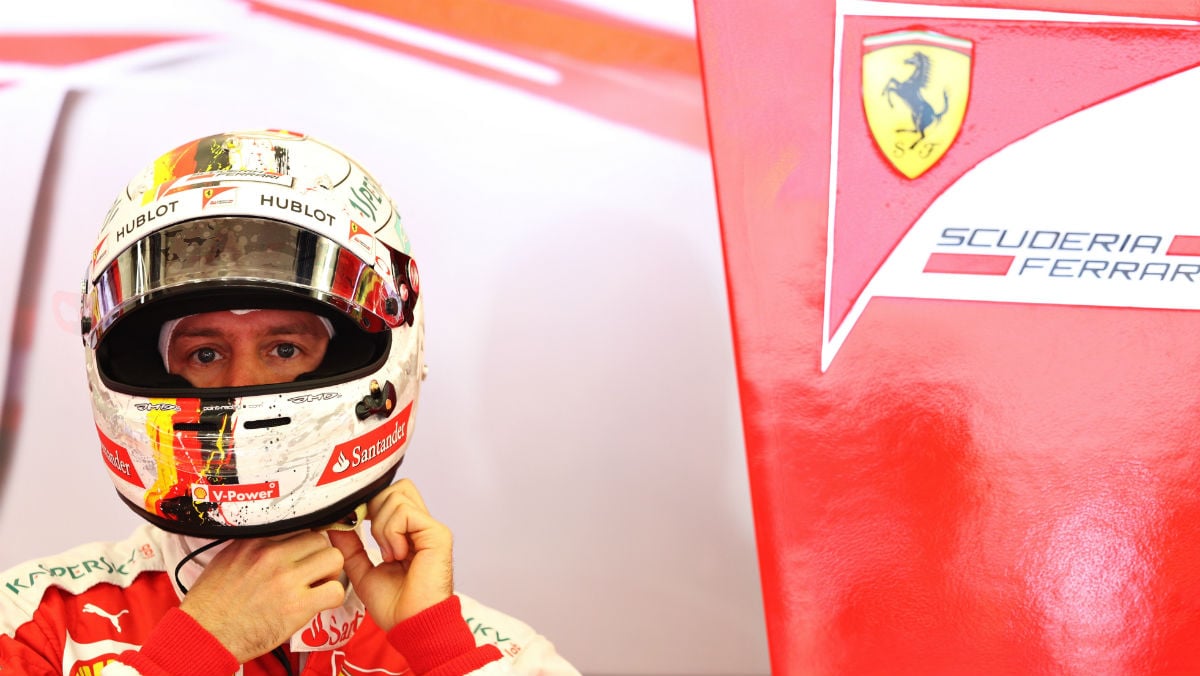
x,y
254,343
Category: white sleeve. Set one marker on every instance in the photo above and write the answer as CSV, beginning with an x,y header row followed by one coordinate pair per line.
x,y
524,651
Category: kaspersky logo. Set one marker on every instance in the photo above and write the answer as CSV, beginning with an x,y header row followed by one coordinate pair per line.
x,y
915,86
369,450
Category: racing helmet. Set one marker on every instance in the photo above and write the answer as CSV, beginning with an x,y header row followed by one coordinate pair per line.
x,y
249,221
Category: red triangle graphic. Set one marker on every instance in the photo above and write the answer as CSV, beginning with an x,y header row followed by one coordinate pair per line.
x,y
1025,76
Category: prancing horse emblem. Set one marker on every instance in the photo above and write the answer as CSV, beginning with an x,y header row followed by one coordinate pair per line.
x,y
915,89
910,92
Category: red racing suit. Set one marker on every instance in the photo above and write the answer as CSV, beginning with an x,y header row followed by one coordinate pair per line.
x,y
113,607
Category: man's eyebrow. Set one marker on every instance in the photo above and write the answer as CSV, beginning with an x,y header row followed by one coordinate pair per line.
x,y
294,329
197,332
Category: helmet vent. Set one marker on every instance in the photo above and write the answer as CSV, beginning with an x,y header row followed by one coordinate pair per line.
x,y
263,424
197,427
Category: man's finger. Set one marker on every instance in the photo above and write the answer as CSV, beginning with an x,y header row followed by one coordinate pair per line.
x,y
408,530
384,515
409,489
357,563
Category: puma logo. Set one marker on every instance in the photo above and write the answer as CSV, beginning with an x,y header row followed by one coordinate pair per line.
x,y
97,610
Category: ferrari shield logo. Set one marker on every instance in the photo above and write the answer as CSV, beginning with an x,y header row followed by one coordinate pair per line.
x,y
915,89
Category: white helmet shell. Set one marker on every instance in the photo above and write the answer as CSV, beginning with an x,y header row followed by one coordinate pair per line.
x,y
249,220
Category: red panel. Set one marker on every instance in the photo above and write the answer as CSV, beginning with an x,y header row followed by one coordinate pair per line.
x,y
768,88
1177,9
970,488
63,50
1184,245
973,264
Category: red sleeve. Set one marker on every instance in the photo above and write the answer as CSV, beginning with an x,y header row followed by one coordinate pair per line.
x,y
162,655
438,642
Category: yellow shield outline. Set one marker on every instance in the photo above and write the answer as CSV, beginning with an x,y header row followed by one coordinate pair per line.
x,y
915,87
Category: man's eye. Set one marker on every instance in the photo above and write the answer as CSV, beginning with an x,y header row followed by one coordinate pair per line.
x,y
285,350
205,355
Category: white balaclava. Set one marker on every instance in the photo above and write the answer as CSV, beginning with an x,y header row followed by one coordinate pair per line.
x,y
168,330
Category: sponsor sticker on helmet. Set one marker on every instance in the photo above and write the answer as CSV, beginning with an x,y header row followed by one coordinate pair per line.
x,y
221,196
367,451
359,236
158,212
298,207
117,459
235,492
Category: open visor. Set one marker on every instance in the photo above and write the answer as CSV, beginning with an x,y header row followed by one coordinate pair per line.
x,y
211,263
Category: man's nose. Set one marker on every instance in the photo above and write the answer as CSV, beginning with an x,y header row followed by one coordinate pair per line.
x,y
246,370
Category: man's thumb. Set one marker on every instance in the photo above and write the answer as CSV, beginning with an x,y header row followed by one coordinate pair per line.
x,y
357,563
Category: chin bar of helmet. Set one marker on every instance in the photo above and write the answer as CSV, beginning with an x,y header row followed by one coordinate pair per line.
x,y
350,521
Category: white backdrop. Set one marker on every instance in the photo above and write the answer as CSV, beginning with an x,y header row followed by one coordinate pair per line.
x,y
579,429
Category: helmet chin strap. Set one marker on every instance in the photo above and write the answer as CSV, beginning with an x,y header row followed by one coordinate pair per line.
x,y
168,330
190,555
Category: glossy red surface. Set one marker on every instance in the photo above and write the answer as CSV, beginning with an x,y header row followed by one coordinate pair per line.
x,y
970,488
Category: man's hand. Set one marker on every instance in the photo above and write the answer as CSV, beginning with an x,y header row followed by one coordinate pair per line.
x,y
256,593
417,569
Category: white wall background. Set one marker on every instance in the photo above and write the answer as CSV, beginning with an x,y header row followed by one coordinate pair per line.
x,y
579,429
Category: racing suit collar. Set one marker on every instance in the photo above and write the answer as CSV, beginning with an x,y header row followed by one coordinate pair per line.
x,y
327,630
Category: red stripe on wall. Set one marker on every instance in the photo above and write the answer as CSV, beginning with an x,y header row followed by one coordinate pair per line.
x,y
1184,245
547,27
1168,9
969,264
650,81
67,49
385,42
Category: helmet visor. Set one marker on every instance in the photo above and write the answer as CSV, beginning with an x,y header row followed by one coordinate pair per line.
x,y
205,255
